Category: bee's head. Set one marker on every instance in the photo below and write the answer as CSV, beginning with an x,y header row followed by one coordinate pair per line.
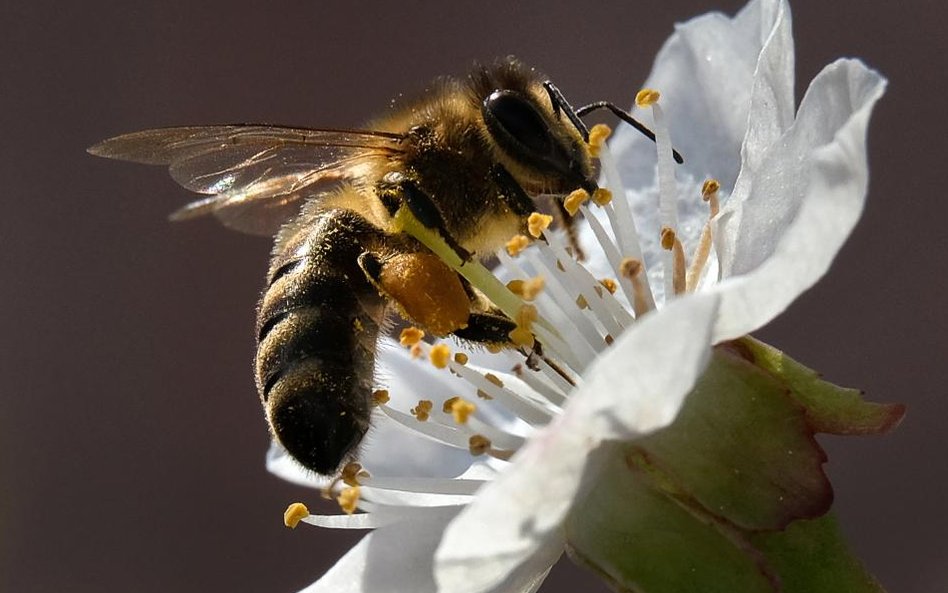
x,y
532,130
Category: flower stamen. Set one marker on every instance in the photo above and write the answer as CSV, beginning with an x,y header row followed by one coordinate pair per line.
x,y
348,499
597,138
295,513
439,355
574,200
422,410
632,269
709,193
670,242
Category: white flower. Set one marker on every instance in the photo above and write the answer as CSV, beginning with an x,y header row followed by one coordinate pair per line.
x,y
793,181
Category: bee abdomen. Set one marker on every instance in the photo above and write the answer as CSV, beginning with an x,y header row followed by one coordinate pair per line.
x,y
317,327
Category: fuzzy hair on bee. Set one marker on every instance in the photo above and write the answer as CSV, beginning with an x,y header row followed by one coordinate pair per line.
x,y
467,159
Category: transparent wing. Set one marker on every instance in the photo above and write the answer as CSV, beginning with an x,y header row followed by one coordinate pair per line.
x,y
256,175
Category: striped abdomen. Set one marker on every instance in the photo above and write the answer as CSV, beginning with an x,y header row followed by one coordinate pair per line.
x,y
317,327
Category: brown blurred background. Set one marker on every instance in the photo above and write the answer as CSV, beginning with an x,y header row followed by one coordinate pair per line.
x,y
131,440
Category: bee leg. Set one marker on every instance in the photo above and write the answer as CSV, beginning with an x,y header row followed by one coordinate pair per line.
x,y
397,189
495,328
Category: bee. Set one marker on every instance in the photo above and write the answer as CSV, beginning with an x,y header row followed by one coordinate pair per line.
x,y
467,159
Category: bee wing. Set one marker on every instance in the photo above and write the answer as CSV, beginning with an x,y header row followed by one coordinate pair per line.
x,y
255,175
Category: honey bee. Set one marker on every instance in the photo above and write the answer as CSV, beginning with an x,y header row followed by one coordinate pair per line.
x,y
467,160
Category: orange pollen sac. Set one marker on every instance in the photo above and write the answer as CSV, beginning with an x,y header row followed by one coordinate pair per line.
x,y
610,285
574,200
517,244
601,196
348,499
422,411
483,394
711,186
516,287
351,473
597,137
532,288
380,397
630,267
647,97
492,378
461,409
410,336
478,444
522,336
439,355
668,238
416,351
537,223
460,358
295,513
425,291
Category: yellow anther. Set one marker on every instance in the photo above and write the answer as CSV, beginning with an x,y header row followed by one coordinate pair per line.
x,y
516,287
446,406
357,325
522,334
494,348
492,378
537,223
532,287
348,499
581,302
597,137
416,351
351,473
461,409
601,196
517,244
668,238
380,397
460,358
630,267
609,340
574,200
439,355
609,284
710,186
410,336
422,410
484,395
647,97
478,444
295,513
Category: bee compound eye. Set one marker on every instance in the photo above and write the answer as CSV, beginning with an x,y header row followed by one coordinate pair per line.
x,y
510,117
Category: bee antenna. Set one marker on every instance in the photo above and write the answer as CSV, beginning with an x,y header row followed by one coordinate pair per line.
x,y
561,104
627,118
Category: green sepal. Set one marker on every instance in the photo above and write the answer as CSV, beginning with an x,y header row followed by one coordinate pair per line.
x,y
830,409
732,496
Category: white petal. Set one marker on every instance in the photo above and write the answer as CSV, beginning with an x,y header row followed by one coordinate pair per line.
x,y
772,101
398,559
812,183
705,73
636,387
